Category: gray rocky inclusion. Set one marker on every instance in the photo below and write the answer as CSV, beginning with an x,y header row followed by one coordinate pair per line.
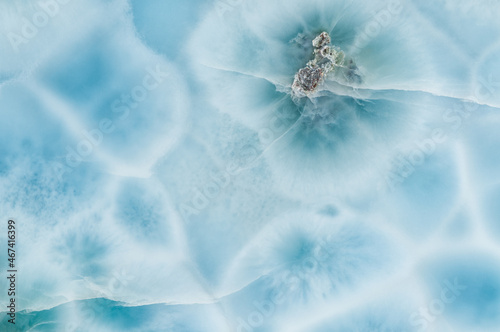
x,y
326,59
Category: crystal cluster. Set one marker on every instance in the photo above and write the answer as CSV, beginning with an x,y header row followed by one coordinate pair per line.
x,y
326,59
